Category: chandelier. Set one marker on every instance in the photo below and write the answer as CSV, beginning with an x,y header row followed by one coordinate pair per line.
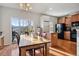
x,y
25,6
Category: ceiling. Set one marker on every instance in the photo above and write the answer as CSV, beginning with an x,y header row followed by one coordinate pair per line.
x,y
53,9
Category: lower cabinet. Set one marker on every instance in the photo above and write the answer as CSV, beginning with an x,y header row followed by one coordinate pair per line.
x,y
67,45
67,35
54,39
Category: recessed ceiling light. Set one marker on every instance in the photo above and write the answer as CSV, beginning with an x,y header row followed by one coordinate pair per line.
x,y
28,4
50,8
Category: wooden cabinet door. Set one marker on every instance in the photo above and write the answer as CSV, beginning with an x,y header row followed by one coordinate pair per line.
x,y
60,43
72,18
54,39
61,20
75,18
68,21
78,17
67,35
66,45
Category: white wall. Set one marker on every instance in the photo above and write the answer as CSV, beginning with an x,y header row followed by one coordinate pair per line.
x,y
5,21
0,24
6,14
54,21
0,19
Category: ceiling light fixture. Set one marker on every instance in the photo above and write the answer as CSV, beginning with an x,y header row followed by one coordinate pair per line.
x,y
50,8
25,6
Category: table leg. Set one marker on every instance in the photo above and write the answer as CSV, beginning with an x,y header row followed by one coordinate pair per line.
x,y
31,52
46,49
34,52
19,51
43,51
22,52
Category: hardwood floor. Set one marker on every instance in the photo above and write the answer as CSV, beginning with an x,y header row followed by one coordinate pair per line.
x,y
12,50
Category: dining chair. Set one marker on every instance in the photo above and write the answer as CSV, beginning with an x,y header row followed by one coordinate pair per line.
x,y
40,49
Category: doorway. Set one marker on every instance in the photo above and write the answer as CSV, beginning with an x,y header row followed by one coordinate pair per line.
x,y
20,26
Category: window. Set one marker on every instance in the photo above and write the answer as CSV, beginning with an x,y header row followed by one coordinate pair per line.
x,y
21,25
15,21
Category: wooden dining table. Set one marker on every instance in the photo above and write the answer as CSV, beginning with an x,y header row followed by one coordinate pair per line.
x,y
25,45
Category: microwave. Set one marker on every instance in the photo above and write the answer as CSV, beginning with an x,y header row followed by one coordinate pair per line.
x,y
75,24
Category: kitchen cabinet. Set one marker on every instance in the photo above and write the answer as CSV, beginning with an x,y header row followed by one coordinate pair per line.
x,y
65,44
68,21
67,35
54,39
61,20
75,18
68,46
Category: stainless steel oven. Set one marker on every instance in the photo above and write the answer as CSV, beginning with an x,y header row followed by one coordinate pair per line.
x,y
74,35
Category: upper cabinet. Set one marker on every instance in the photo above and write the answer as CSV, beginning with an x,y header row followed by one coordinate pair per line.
x,y
61,20
75,18
68,21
